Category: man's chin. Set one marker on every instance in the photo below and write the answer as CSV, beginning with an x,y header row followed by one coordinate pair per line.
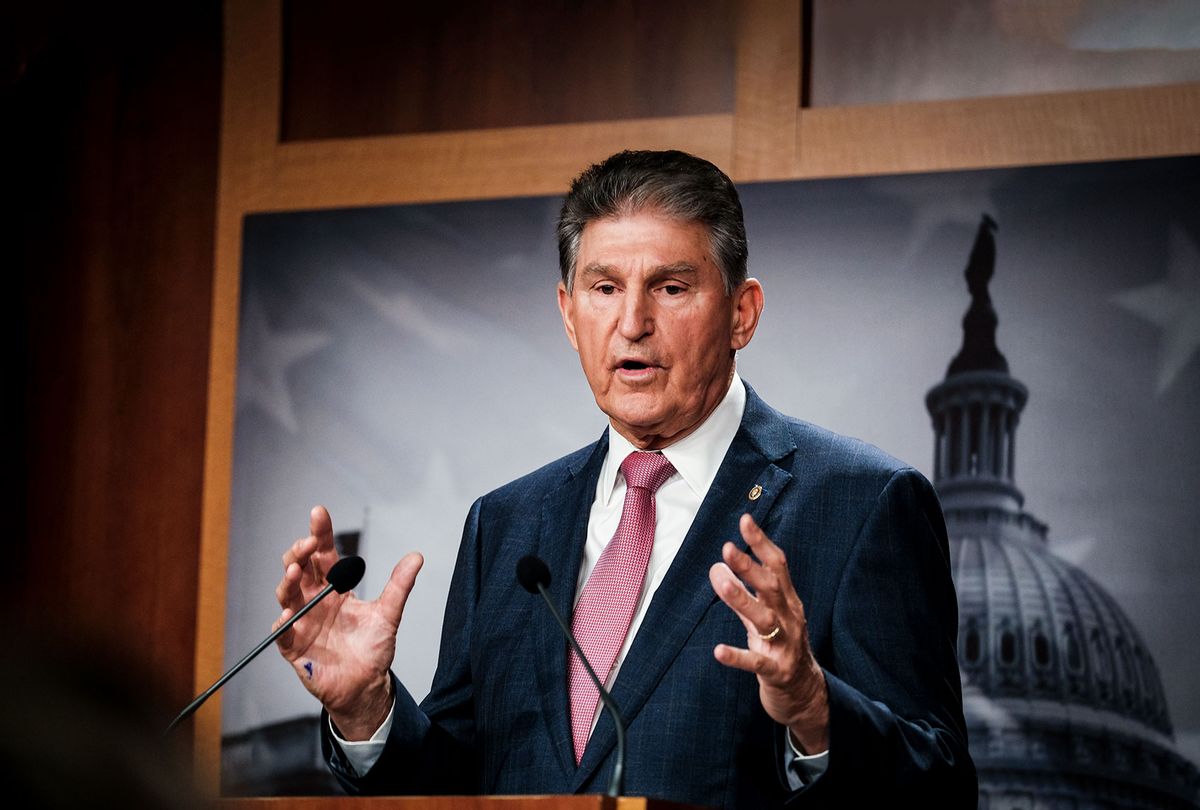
x,y
644,430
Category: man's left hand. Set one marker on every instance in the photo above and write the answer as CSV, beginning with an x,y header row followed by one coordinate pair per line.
x,y
791,685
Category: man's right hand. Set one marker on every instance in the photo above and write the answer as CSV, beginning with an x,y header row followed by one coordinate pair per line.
x,y
343,648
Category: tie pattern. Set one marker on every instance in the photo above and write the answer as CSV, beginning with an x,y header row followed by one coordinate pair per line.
x,y
610,596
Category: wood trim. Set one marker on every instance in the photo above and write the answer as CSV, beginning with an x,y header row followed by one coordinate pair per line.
x,y
1138,122
766,90
249,138
520,161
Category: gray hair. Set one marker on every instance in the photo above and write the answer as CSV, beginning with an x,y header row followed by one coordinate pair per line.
x,y
673,183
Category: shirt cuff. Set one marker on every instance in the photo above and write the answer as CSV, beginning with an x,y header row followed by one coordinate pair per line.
x,y
802,769
363,754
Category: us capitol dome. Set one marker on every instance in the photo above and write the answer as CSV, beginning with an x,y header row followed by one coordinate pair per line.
x,y
1064,703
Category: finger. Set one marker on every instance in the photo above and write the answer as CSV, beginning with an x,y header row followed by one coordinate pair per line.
x,y
324,556
287,638
757,617
287,592
299,552
769,554
745,567
766,583
399,586
320,526
315,554
746,660
771,580
320,538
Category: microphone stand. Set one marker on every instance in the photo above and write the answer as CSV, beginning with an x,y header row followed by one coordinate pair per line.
x,y
343,576
616,784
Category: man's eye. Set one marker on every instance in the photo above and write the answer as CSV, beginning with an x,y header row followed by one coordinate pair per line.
x,y
606,289
672,289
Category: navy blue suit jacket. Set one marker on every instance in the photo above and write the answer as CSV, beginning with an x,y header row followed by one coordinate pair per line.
x,y
866,546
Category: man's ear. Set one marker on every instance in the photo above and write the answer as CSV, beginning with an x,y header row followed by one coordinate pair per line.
x,y
747,308
566,306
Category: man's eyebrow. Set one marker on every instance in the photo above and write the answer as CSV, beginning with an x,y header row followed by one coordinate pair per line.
x,y
596,269
676,269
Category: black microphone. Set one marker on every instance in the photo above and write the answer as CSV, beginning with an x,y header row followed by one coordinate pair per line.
x,y
345,574
534,576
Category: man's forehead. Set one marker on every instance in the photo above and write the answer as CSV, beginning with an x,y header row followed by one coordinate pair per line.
x,y
647,231
646,212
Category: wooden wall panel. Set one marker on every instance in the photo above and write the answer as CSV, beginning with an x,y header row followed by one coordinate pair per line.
x,y
371,67
112,152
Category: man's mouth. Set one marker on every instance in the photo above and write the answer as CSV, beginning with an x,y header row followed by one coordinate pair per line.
x,y
636,371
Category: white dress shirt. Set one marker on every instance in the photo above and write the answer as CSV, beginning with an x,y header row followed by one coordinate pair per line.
x,y
697,457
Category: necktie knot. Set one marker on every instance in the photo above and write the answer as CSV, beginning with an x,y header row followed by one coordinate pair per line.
x,y
646,470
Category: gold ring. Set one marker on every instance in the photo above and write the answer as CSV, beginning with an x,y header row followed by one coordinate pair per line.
x,y
770,635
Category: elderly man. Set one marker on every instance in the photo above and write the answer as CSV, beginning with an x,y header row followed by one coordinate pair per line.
x,y
827,676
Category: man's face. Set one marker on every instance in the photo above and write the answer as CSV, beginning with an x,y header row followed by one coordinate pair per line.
x,y
653,326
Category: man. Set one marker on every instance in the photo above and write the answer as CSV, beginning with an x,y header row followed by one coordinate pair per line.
x,y
828,676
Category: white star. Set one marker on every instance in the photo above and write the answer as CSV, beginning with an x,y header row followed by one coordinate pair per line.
x,y
1075,550
436,324
264,357
1172,305
937,200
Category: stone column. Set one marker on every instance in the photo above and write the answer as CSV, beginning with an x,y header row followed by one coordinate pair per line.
x,y
964,439
984,465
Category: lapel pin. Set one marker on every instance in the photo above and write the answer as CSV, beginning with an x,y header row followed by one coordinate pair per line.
x,y
755,491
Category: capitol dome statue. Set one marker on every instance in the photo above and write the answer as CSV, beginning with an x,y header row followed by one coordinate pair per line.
x,y
1064,703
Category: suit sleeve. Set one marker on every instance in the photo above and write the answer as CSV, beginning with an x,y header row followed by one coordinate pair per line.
x,y
430,748
896,727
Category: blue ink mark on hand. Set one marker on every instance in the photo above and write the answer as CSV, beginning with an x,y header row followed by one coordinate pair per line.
x,y
308,668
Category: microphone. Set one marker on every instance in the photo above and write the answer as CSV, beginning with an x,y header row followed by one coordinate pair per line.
x,y
344,575
534,576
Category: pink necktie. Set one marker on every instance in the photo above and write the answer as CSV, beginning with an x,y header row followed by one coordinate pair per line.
x,y
610,596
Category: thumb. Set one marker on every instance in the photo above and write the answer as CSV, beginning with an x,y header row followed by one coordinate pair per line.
x,y
399,586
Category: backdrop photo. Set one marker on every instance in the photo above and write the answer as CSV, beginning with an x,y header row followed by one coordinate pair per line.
x,y
396,363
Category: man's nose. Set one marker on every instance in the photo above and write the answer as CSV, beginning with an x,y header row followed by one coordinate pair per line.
x,y
637,316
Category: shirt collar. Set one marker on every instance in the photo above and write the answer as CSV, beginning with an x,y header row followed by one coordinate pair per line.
x,y
697,456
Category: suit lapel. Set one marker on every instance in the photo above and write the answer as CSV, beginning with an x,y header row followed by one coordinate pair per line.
x,y
564,519
685,593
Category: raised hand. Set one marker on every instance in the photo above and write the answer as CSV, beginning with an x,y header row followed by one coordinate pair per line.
x,y
343,648
791,685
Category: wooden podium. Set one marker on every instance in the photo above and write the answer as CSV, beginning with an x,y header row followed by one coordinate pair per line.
x,y
591,802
